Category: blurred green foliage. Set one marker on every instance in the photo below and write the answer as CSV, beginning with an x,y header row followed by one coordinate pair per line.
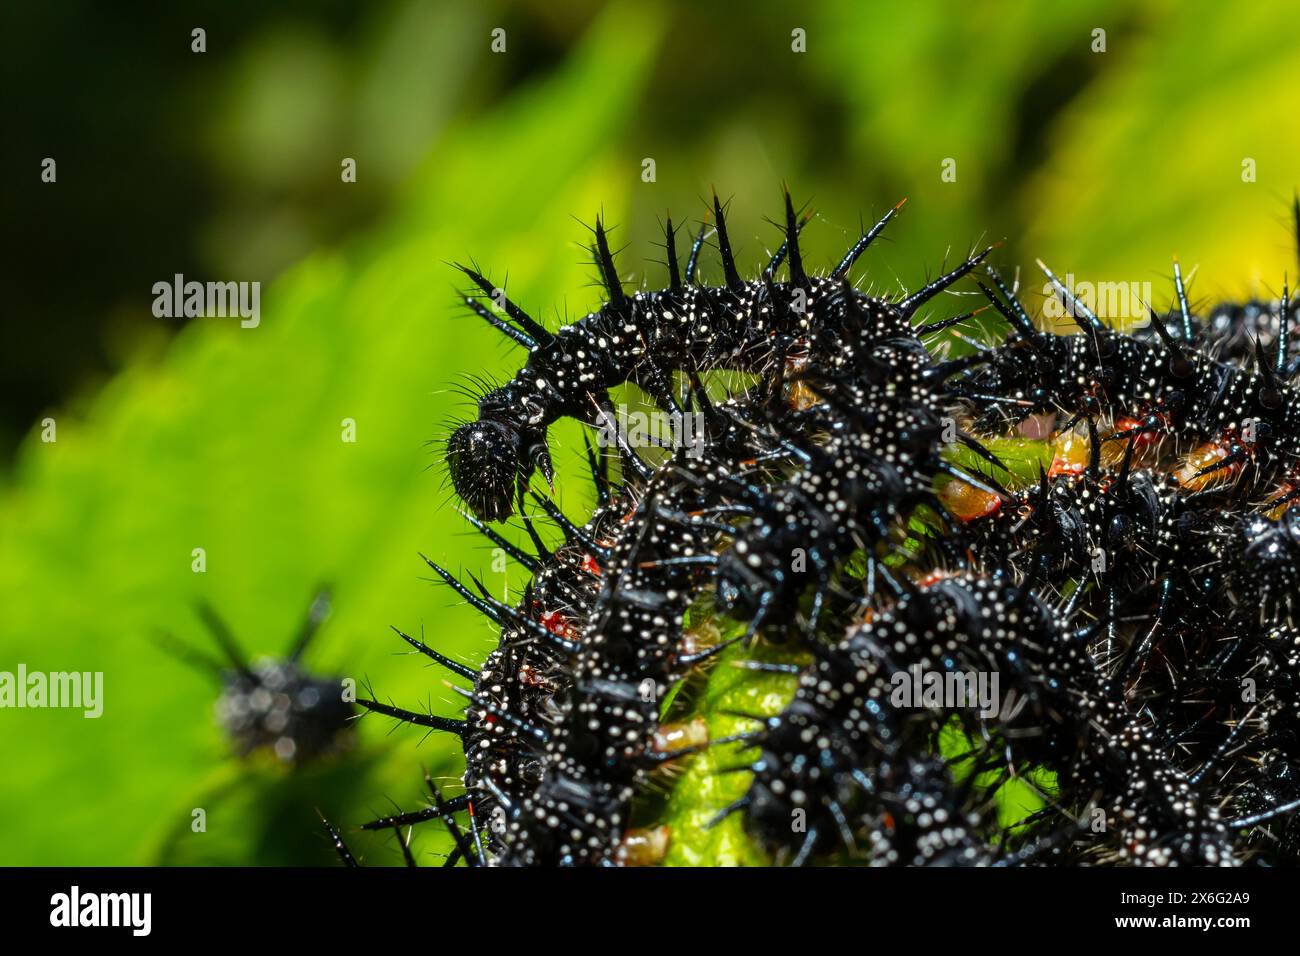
x,y
1105,164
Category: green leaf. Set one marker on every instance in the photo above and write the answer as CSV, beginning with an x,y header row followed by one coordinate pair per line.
x,y
709,782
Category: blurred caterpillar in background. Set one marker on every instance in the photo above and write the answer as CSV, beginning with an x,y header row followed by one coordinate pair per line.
x,y
274,704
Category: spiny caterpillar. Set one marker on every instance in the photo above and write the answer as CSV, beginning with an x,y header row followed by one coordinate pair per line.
x,y
752,326
1131,602
273,704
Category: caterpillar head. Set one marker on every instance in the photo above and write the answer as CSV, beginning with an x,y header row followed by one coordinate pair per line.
x,y
490,459
483,458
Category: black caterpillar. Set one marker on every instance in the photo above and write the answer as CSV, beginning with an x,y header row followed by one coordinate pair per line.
x,y
645,338
1066,715
273,704
1162,714
1246,425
